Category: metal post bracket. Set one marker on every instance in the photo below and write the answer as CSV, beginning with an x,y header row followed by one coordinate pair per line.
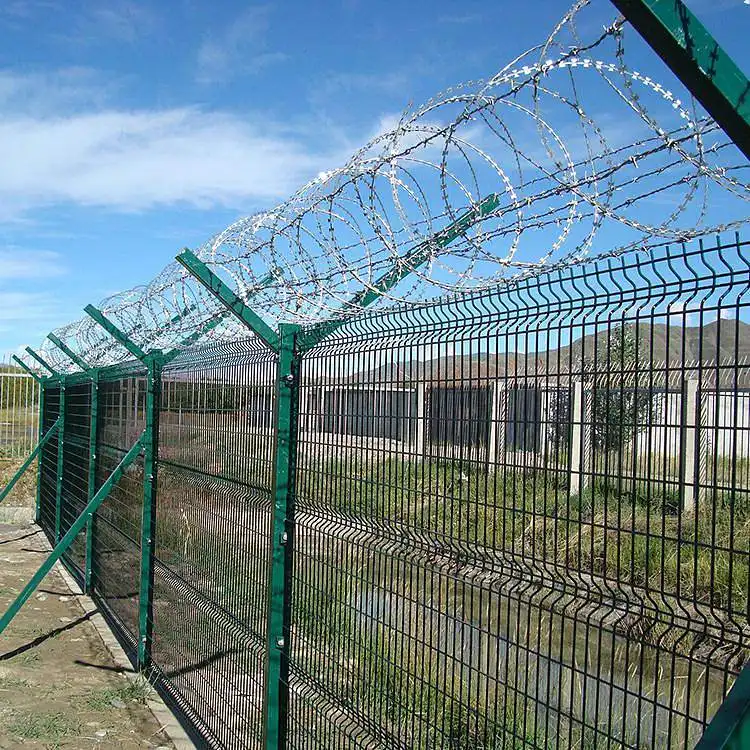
x,y
697,59
115,332
202,273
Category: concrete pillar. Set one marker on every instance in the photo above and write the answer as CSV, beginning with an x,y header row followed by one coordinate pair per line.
x,y
690,444
420,423
498,422
544,420
580,448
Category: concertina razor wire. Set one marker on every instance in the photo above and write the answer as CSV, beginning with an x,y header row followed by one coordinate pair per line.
x,y
568,142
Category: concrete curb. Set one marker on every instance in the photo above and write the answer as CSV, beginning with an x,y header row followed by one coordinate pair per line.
x,y
166,719
16,516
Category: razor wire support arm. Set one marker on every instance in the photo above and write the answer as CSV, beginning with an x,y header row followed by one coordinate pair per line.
x,y
279,606
696,58
68,351
27,369
406,265
40,445
115,332
148,520
62,546
209,325
233,303
41,361
104,348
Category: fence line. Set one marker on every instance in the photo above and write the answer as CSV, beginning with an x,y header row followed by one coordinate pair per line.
x,y
19,412
421,536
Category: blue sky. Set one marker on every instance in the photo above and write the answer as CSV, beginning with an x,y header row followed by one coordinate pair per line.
x,y
132,129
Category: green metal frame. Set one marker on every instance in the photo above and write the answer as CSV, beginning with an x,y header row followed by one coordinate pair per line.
x,y
91,525
62,546
415,258
60,464
68,351
231,301
730,727
697,59
280,580
24,467
42,362
27,369
148,519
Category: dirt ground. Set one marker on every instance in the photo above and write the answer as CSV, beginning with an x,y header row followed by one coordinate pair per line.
x,y
59,687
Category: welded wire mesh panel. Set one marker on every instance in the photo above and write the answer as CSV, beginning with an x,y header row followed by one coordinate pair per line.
x,y
117,545
213,538
48,469
552,547
75,476
19,412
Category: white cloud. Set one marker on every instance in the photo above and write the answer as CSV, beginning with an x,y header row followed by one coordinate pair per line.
x,y
24,306
16,263
141,159
121,20
239,48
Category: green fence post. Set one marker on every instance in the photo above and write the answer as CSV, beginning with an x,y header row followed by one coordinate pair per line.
x,y
148,520
91,524
279,608
60,462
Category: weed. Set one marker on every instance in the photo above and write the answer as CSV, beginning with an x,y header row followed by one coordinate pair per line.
x,y
137,690
55,726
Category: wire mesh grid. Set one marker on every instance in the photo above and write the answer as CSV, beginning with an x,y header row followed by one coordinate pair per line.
x,y
116,554
48,464
75,478
520,518
213,537
19,412
531,554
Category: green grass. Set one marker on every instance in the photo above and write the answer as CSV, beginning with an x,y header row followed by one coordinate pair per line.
x,y
137,690
40,726
24,493
28,658
627,531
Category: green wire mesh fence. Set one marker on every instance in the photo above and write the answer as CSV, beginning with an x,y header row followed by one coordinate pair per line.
x,y
512,517
508,519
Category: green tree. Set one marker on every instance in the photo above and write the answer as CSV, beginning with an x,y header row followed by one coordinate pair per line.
x,y
619,403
